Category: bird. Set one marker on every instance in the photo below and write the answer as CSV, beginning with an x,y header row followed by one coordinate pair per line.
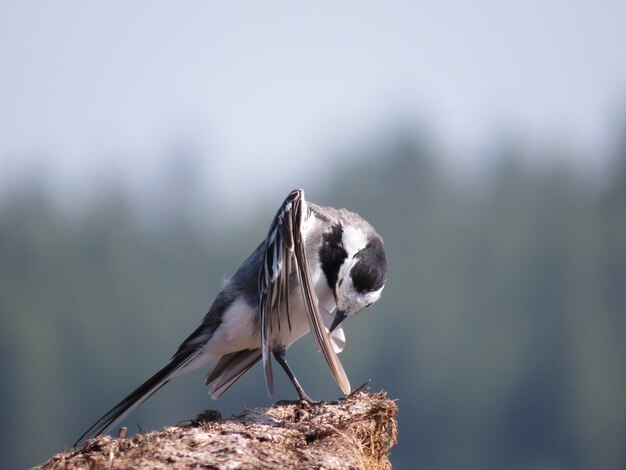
x,y
317,266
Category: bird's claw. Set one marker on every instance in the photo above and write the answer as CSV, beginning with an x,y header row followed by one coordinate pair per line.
x,y
304,402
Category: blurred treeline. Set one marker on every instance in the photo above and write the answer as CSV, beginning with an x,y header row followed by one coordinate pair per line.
x,y
501,331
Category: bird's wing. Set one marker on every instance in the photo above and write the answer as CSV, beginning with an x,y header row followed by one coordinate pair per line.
x,y
230,368
284,248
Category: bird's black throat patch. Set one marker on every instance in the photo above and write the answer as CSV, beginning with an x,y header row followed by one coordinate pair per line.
x,y
332,254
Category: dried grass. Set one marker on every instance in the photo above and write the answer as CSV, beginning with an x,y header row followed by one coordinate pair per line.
x,y
354,433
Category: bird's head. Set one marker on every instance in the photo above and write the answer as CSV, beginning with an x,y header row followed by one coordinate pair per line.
x,y
358,271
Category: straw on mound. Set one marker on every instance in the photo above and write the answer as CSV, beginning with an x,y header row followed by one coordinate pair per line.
x,y
353,433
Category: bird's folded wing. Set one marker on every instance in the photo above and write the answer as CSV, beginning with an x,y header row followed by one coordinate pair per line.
x,y
229,369
285,246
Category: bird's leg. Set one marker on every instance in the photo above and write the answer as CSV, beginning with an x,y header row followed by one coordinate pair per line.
x,y
279,354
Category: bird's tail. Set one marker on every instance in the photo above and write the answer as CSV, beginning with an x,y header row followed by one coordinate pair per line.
x,y
132,401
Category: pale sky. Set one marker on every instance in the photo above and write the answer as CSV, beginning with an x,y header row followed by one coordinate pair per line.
x,y
97,88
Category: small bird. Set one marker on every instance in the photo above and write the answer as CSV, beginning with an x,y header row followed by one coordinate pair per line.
x,y
313,260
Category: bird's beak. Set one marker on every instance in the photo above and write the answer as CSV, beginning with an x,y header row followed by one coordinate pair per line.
x,y
339,317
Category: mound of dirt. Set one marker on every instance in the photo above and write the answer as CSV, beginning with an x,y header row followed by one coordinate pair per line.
x,y
353,433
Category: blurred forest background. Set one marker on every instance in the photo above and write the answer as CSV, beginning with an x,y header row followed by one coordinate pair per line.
x,y
501,331
146,145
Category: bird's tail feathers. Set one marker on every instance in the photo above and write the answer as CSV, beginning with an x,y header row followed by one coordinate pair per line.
x,y
132,401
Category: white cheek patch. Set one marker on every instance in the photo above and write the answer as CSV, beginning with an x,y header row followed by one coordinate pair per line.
x,y
351,300
344,277
353,240
372,297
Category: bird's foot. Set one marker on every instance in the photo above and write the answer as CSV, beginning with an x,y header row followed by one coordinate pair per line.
x,y
308,402
304,401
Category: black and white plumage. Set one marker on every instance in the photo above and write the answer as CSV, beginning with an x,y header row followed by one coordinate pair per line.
x,y
313,260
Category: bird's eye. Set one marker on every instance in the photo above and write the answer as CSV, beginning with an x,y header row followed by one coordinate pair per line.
x,y
340,282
